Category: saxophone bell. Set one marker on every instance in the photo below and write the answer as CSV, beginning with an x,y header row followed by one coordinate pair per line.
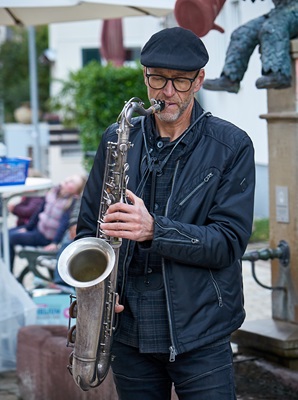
x,y
86,262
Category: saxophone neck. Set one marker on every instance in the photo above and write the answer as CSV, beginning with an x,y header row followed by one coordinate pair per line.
x,y
135,105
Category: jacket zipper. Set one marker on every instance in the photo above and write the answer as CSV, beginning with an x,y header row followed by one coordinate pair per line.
x,y
172,348
173,351
205,180
192,239
217,289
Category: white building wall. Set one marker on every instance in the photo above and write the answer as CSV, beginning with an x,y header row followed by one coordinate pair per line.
x,y
64,162
67,41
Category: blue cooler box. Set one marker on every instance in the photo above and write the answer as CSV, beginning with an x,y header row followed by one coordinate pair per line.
x,y
52,307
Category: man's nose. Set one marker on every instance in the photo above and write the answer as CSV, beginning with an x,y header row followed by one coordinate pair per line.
x,y
169,89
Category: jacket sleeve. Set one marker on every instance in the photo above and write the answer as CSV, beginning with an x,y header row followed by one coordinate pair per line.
x,y
223,237
34,218
27,207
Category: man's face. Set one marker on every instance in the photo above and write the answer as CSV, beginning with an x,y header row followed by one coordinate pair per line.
x,y
176,102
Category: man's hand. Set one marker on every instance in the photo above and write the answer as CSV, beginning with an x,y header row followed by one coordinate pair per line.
x,y
129,221
118,307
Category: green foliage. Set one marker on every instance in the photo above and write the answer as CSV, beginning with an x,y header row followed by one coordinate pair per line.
x,y
260,231
94,96
14,70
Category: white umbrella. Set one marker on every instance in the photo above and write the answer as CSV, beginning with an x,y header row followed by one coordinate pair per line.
x,y
44,12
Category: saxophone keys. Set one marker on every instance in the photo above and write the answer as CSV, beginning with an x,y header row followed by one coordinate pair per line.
x,y
71,335
123,148
69,366
73,310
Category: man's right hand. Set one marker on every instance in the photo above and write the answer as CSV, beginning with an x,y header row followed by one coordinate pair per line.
x,y
118,307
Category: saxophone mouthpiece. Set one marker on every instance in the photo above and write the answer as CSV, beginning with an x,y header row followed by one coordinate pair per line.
x,y
157,105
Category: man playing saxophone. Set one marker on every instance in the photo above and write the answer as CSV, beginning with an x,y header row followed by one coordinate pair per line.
x,y
184,228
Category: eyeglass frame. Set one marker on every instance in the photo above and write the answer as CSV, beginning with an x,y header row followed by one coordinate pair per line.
x,y
191,80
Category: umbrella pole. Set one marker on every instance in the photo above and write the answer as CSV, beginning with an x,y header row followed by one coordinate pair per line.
x,y
34,98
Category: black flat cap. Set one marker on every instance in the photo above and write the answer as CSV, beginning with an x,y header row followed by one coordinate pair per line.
x,y
175,48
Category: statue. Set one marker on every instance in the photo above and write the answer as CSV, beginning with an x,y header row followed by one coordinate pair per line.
x,y
272,32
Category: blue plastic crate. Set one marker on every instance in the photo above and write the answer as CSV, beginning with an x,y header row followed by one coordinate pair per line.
x,y
13,171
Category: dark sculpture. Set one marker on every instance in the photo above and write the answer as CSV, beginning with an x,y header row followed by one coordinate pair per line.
x,y
272,32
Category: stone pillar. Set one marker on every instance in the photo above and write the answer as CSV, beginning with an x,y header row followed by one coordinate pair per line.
x,y
277,338
282,119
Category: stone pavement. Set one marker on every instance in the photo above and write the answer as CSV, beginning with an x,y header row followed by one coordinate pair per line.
x,y
256,379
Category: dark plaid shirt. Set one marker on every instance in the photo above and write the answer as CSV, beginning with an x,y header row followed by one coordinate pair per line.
x,y
144,321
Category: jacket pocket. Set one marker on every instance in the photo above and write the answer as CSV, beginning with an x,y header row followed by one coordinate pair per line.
x,y
217,289
196,188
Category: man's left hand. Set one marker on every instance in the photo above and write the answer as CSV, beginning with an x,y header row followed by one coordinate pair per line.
x,y
130,221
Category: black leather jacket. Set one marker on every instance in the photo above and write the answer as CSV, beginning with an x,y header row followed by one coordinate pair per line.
x,y
205,230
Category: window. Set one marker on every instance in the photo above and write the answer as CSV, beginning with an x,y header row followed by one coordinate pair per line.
x,y
90,55
131,54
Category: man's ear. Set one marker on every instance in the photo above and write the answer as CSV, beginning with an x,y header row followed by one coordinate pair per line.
x,y
199,80
144,74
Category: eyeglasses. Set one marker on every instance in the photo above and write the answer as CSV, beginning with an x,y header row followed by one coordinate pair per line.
x,y
180,84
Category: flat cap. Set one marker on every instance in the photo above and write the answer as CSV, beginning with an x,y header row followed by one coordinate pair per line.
x,y
175,48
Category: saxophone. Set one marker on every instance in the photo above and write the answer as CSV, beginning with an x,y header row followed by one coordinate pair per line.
x,y
91,266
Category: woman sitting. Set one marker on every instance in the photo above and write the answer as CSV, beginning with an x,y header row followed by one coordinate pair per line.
x,y
48,225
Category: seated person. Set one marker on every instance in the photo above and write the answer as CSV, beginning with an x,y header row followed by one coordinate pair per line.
x,y
25,208
68,237
47,227
27,205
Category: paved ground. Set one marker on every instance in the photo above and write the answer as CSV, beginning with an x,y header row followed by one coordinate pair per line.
x,y
256,379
